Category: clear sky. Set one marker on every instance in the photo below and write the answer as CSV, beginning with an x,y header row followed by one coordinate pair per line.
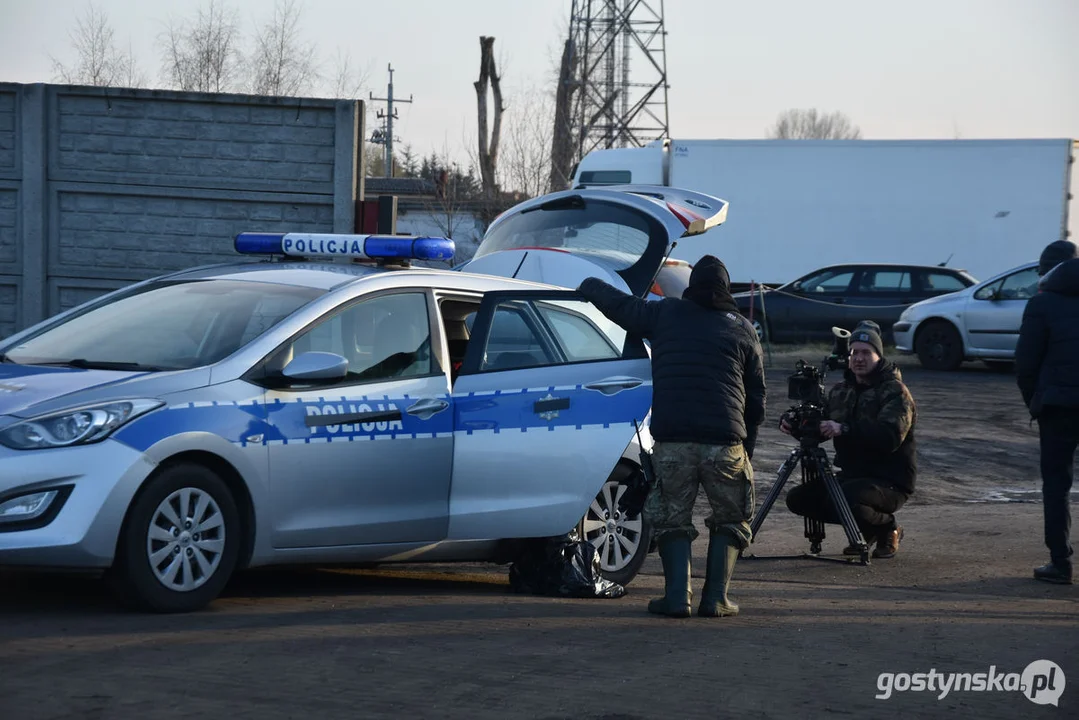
x,y
912,69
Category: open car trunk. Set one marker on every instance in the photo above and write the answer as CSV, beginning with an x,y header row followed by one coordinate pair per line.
x,y
621,234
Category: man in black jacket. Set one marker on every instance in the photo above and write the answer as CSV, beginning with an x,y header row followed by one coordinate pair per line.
x,y
1047,370
707,402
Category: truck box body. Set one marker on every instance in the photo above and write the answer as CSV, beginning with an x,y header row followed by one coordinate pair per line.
x,y
797,205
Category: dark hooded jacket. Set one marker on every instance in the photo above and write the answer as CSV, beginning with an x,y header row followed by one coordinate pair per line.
x,y
707,369
1047,355
878,440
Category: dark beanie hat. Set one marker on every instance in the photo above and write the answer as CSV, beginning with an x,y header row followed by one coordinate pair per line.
x,y
1054,254
867,325
867,335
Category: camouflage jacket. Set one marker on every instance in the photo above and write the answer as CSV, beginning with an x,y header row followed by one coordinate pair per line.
x,y
878,434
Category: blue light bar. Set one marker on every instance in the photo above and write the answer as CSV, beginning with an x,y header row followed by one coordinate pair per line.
x,y
365,247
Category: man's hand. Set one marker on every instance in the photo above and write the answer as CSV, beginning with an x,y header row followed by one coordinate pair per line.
x,y
830,429
784,426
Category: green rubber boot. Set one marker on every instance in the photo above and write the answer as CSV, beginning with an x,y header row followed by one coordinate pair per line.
x,y
722,554
675,550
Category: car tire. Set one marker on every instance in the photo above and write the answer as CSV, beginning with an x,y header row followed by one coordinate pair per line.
x,y
613,534
758,325
939,346
179,544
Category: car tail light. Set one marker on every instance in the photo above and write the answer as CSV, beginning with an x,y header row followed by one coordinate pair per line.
x,y
656,289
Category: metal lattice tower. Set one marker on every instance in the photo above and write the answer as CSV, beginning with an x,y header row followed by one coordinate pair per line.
x,y
621,98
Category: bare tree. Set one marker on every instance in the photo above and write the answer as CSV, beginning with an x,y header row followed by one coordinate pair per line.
x,y
281,62
99,62
346,79
813,125
562,150
203,54
488,145
526,155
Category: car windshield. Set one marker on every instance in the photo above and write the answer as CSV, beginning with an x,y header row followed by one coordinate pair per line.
x,y
616,233
168,325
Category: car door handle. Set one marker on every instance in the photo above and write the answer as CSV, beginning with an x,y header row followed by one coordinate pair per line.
x,y
839,300
427,408
610,386
351,418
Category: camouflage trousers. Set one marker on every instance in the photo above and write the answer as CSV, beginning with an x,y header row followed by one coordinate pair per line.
x,y
723,471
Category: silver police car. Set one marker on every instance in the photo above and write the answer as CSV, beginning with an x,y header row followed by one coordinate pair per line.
x,y
331,404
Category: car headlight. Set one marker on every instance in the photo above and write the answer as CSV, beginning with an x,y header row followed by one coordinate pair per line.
x,y
74,427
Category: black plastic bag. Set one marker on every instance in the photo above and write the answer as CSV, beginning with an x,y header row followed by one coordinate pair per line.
x,y
564,566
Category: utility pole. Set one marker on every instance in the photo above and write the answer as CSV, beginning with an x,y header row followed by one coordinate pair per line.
x,y
384,135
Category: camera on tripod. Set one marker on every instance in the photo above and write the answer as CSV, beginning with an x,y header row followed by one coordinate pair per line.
x,y
806,386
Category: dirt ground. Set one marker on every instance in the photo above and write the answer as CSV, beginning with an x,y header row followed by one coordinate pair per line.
x,y
452,642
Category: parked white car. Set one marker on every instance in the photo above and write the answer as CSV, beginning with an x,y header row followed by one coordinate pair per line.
x,y
979,323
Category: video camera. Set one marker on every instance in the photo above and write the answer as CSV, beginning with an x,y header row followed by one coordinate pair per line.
x,y
806,386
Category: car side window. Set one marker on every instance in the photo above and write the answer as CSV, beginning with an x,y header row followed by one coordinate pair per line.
x,y
536,333
1022,285
828,281
937,282
384,338
514,340
582,331
885,281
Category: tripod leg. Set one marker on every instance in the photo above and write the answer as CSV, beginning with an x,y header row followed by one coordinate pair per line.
x,y
781,479
814,529
842,507
815,535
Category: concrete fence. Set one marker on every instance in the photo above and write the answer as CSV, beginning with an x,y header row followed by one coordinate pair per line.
x,y
101,187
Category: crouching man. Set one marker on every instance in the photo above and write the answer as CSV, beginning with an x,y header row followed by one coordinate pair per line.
x,y
871,417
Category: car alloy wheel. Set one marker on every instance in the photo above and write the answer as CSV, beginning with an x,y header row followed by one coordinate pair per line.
x,y
758,328
616,536
186,539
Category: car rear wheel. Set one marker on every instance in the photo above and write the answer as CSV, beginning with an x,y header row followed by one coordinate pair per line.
x,y
758,325
621,540
939,346
180,543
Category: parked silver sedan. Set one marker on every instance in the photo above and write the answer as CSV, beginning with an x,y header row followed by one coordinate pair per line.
x,y
979,323
316,409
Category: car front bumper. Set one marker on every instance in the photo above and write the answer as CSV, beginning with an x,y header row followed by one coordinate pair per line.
x,y
903,332
80,527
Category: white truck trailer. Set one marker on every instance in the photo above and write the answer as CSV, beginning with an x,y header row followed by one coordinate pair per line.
x,y
796,205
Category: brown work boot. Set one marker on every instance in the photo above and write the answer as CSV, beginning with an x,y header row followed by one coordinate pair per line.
x,y
888,543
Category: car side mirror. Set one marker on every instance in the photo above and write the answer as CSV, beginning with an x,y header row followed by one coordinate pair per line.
x,y
797,286
317,366
987,293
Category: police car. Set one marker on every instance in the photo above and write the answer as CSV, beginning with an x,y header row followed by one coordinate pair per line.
x,y
330,404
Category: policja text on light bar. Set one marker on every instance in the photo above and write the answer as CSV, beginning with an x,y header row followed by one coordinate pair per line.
x,y
372,247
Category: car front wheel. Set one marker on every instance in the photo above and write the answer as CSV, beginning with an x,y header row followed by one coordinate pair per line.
x,y
180,542
939,346
621,540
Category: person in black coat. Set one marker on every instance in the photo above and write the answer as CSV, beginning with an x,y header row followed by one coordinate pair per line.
x,y
707,402
1047,370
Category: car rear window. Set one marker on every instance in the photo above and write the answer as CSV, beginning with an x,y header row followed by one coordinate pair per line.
x,y
616,233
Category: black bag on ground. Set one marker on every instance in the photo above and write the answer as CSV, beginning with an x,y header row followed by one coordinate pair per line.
x,y
564,566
